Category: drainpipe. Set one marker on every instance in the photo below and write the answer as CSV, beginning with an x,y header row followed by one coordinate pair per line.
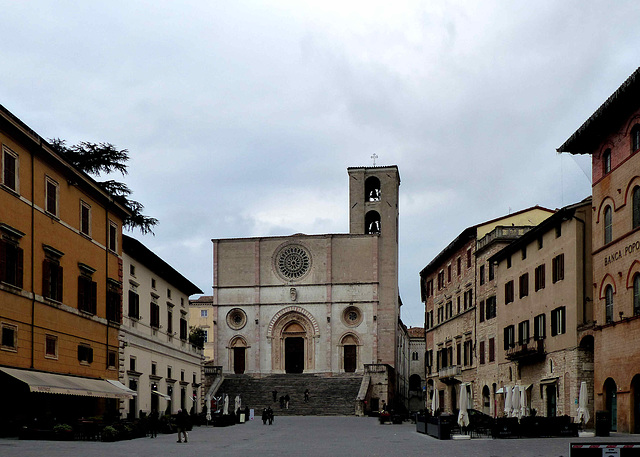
x,y
584,269
33,244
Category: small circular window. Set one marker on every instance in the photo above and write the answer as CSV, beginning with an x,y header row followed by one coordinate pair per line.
x,y
293,262
236,319
352,316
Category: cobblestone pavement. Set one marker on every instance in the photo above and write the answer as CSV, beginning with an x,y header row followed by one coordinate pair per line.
x,y
305,436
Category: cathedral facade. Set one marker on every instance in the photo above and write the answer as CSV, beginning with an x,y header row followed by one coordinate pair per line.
x,y
322,304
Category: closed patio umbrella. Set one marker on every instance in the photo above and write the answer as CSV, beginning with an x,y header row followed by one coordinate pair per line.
x,y
523,401
463,414
515,402
435,401
583,406
507,401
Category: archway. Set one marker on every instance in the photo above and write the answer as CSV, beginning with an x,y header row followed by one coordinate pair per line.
x,y
372,189
611,402
238,347
415,383
372,223
294,335
299,326
486,400
349,345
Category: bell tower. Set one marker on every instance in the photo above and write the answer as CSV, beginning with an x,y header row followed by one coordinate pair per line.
x,y
373,211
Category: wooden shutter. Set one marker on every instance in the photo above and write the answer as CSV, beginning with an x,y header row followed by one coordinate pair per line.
x,y
46,278
81,294
94,297
59,290
554,322
19,266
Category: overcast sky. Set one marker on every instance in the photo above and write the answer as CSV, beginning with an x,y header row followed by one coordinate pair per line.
x,y
241,117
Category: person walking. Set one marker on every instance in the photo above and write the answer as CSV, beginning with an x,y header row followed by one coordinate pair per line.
x,y
281,401
306,395
153,424
286,400
270,415
181,425
265,416
274,392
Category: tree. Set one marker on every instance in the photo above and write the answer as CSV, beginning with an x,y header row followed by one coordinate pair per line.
x,y
197,336
98,158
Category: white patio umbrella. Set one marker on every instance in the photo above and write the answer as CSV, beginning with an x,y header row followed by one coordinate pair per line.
x,y
435,401
583,407
507,401
225,411
238,403
523,402
515,402
463,414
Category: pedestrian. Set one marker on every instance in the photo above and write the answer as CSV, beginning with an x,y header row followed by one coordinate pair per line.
x,y
306,395
153,424
270,415
275,395
181,425
281,401
265,416
286,400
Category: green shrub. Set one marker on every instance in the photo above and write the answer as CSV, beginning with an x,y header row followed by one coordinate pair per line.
x,y
63,428
109,433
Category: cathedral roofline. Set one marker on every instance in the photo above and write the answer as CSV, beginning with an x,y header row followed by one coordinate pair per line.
x,y
300,235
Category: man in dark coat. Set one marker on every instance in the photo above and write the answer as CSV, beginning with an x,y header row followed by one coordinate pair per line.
x,y
270,415
181,424
265,416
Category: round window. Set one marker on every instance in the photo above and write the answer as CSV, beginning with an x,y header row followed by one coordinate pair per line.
x,y
236,318
352,316
293,262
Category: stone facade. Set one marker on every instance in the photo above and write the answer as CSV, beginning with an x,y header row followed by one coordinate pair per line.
x,y
157,360
449,285
544,302
612,137
324,304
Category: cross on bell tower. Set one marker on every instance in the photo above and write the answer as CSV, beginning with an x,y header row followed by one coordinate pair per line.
x,y
374,157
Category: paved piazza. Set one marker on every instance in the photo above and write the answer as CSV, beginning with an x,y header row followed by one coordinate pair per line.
x,y
304,436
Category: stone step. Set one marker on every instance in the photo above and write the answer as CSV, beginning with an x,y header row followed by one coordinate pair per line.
x,y
329,395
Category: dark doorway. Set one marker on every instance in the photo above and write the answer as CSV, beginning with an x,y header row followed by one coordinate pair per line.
x,y
635,383
611,402
350,358
551,400
294,354
238,360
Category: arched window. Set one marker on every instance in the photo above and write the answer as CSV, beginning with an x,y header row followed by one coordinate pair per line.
x,y
635,138
636,206
372,189
606,161
608,297
636,294
608,222
372,223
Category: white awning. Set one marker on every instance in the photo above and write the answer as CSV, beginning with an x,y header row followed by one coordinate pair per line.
x,y
53,383
160,394
119,385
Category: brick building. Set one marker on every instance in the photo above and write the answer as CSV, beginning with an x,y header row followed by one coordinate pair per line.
x,y
449,286
544,305
612,137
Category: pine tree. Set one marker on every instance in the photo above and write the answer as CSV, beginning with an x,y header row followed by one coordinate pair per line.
x,y
98,158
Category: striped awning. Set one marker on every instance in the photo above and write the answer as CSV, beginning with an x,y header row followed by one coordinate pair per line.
x,y
53,383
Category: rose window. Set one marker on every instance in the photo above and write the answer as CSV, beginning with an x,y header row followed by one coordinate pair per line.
x,y
293,262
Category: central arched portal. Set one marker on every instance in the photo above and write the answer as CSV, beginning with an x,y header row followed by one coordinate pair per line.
x,y
293,332
294,354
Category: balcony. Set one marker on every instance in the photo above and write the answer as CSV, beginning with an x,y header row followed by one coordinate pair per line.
x,y
448,374
502,233
527,351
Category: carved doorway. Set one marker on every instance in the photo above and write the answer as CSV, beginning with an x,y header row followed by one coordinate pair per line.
x,y
294,354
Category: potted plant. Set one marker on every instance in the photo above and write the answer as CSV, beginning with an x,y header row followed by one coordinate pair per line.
x,y
63,432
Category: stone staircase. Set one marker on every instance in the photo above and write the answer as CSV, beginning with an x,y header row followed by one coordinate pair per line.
x,y
328,396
